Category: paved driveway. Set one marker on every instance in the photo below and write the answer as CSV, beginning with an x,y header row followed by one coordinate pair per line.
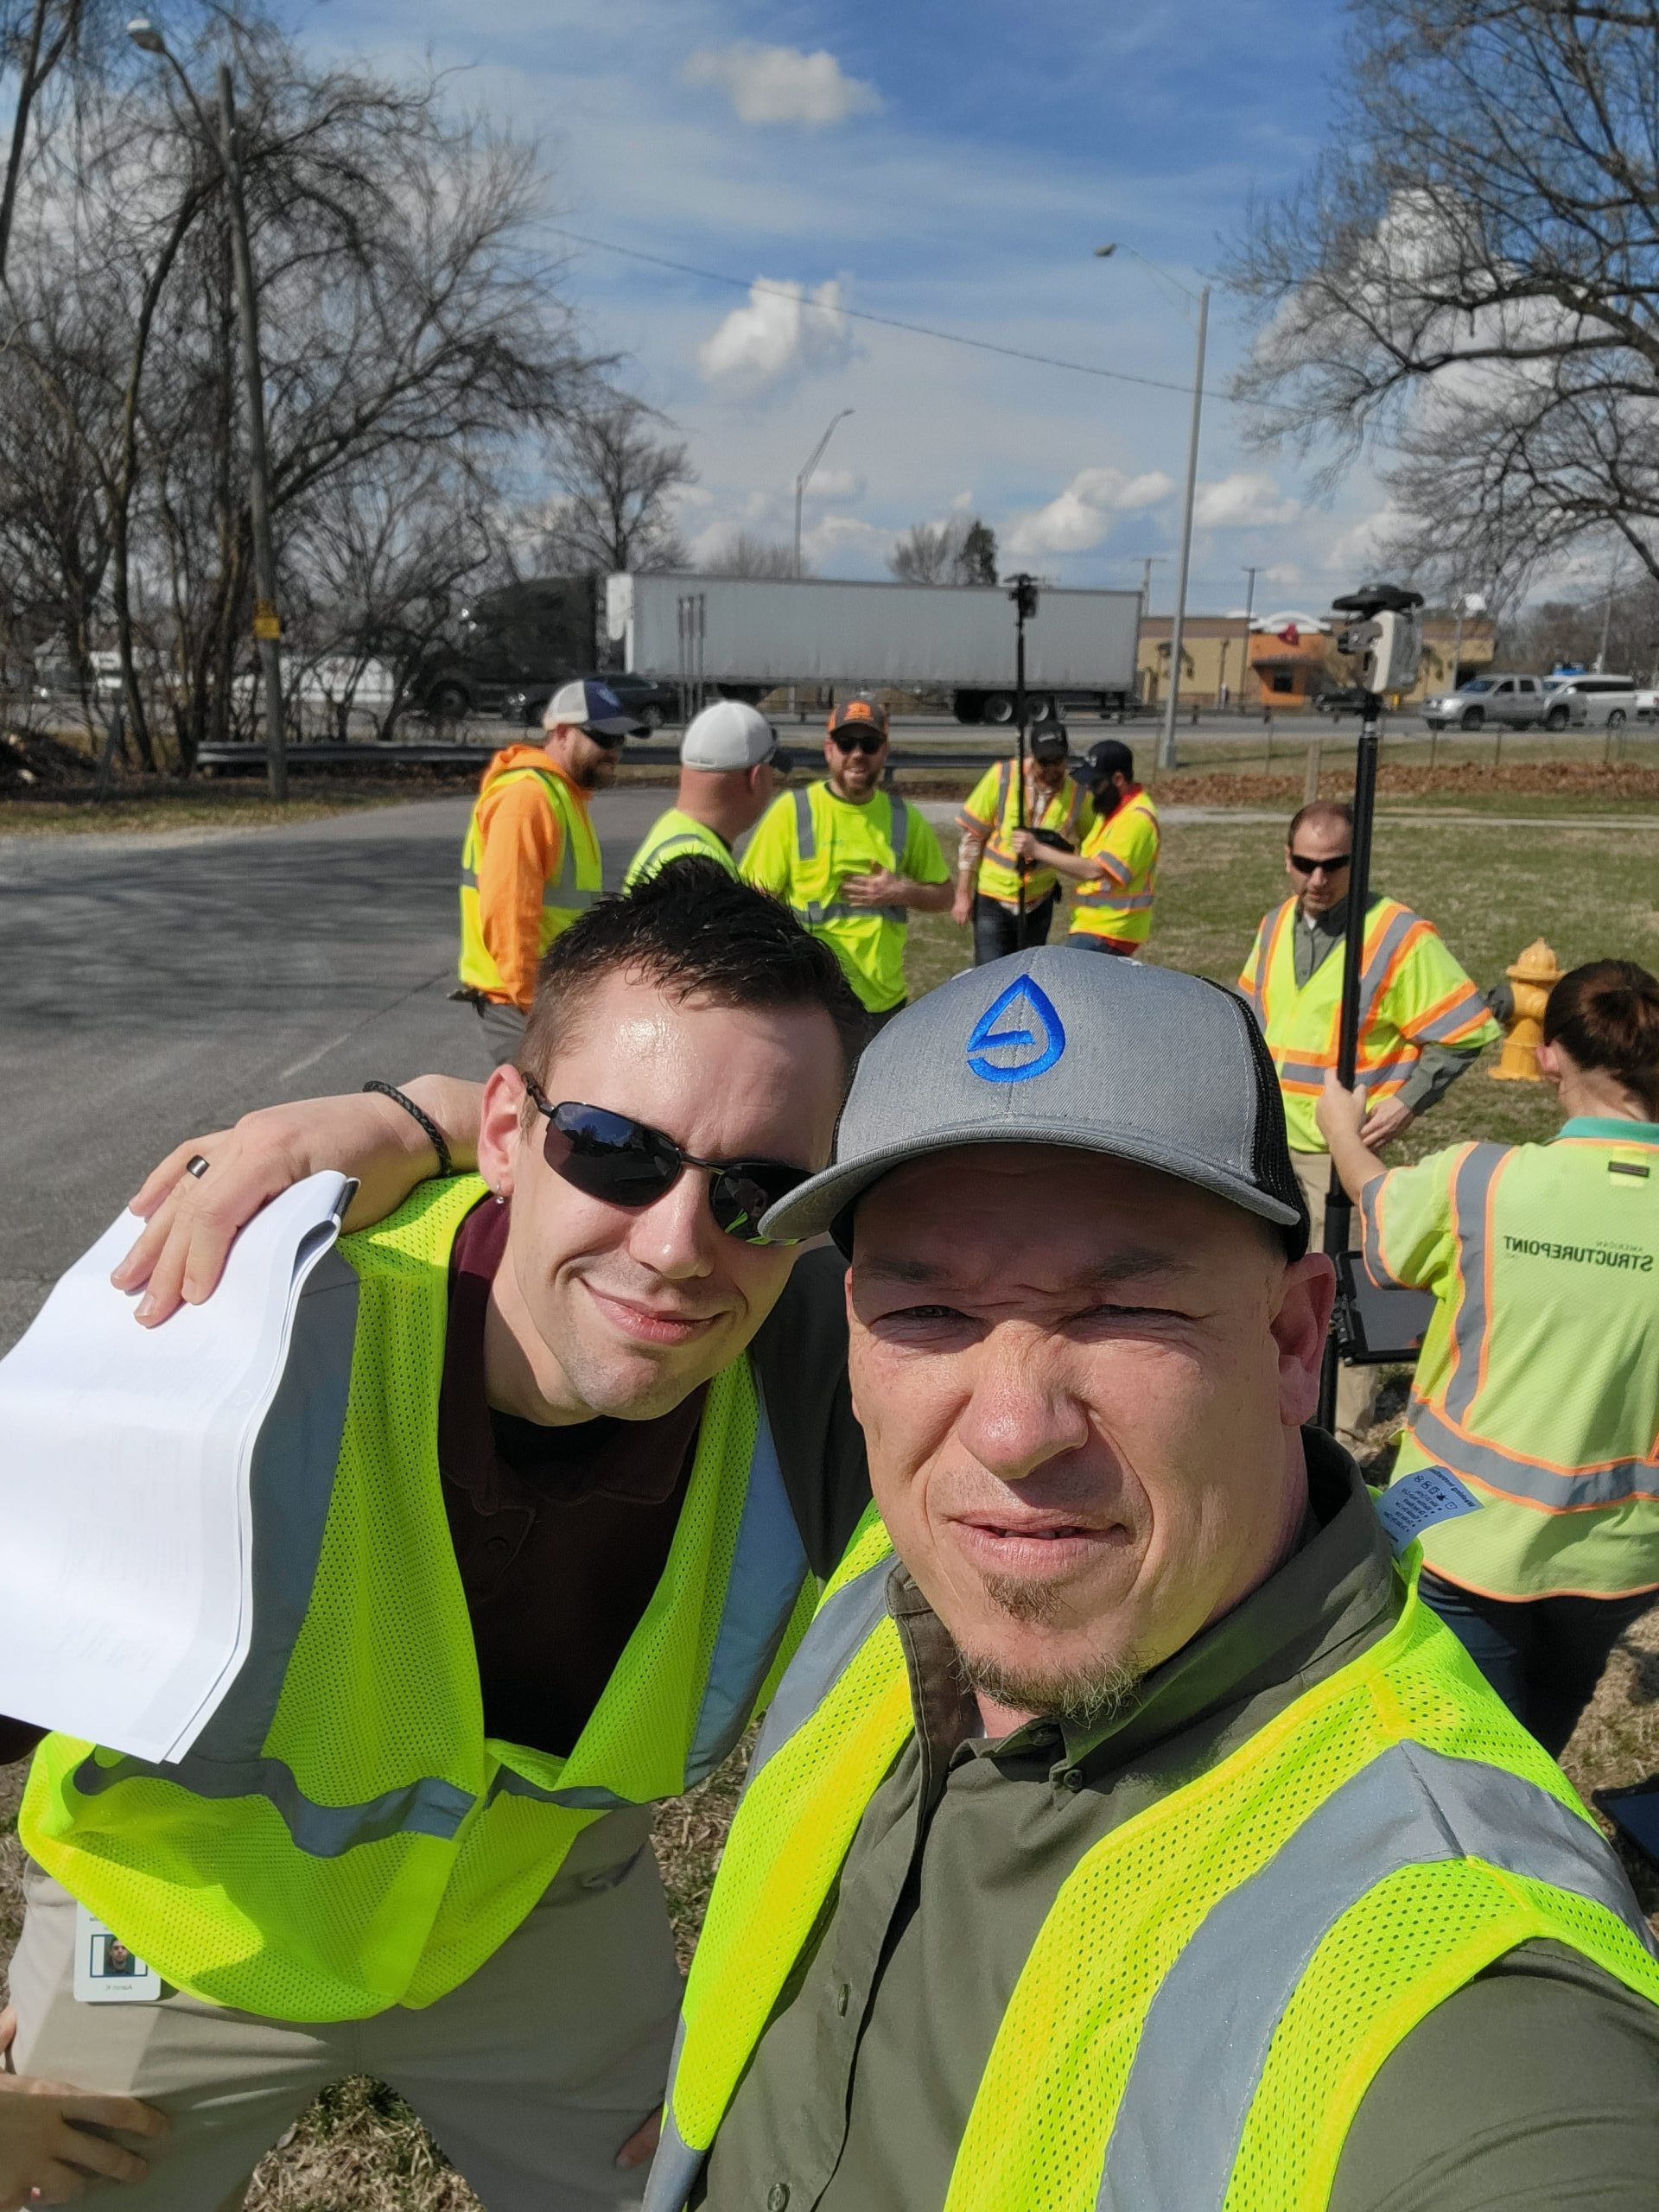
x,y
153,987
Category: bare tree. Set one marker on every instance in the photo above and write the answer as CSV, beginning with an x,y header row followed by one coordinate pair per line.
x,y
1467,280
961,551
617,477
403,316
743,554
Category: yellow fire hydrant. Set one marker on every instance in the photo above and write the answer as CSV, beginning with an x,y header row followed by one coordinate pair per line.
x,y
1534,976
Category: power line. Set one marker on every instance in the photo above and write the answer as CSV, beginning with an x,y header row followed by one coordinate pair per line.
x,y
803,298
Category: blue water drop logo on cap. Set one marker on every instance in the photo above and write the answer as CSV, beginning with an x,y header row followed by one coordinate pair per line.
x,y
1038,1040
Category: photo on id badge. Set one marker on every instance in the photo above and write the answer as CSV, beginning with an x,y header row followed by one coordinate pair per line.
x,y
106,1971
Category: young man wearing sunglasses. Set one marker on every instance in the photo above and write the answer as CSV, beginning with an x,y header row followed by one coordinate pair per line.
x,y
853,861
558,1452
1422,1022
531,863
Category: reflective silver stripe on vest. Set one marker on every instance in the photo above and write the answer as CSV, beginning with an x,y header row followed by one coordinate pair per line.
x,y
428,1807
839,1629
1207,2031
1471,1187
1514,1476
817,911
769,1565
1371,975
1466,1013
675,2168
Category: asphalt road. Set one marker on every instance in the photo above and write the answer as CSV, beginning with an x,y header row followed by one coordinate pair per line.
x,y
155,986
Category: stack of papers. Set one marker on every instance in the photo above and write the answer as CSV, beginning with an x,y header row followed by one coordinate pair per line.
x,y
126,1569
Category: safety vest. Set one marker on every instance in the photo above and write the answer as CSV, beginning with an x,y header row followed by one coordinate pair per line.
x,y
1221,1978
674,837
830,841
1412,993
580,880
996,801
1120,906
343,1837
1538,1382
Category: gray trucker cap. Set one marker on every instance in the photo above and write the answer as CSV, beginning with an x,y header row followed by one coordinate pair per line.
x,y
1060,1046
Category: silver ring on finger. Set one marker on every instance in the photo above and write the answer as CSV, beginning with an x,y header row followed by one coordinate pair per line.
x,y
198,1166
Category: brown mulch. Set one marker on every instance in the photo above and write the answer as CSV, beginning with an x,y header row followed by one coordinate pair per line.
x,y
1545,779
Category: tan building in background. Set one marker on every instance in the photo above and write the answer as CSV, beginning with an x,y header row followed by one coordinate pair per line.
x,y
1292,661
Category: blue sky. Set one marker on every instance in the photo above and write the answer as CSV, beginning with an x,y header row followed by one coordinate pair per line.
x,y
949,161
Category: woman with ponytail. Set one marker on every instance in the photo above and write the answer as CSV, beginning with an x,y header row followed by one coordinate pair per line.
x,y
1538,1382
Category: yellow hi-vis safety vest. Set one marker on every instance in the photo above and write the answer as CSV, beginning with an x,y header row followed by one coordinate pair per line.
x,y
1119,906
1412,993
1219,1979
579,880
994,804
815,842
343,1837
1538,1382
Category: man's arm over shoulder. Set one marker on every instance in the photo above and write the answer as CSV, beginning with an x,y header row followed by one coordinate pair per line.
x,y
800,1363
1533,2088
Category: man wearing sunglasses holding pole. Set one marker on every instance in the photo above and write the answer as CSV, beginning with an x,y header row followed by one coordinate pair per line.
x,y
531,863
558,1452
1422,1022
853,861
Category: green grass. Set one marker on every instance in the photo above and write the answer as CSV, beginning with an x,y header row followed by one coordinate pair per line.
x,y
1589,889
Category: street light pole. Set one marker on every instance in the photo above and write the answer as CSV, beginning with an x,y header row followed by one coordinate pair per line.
x,y
267,624
806,478
1167,754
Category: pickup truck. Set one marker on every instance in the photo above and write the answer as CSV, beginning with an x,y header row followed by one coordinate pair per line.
x,y
1517,702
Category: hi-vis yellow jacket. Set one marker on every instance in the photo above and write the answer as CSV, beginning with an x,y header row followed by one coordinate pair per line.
x,y
1412,993
344,1837
1221,1978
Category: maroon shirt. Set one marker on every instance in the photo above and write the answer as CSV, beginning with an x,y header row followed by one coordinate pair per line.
x,y
561,1535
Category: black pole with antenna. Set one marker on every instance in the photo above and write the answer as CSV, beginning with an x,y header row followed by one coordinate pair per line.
x,y
1024,596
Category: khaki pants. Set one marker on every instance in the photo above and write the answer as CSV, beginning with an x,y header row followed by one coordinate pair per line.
x,y
1356,1386
532,2074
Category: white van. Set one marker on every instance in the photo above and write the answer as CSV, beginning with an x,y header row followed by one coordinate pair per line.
x,y
1609,700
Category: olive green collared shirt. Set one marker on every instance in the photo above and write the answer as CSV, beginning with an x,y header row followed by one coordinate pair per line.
x,y
1536,2086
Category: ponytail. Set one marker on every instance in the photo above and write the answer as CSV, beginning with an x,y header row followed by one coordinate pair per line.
x,y
1605,1015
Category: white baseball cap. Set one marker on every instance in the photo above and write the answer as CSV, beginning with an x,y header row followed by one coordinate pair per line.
x,y
587,704
729,734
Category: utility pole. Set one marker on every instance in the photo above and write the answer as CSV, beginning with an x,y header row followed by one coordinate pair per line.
x,y
1166,755
1607,616
1249,609
267,621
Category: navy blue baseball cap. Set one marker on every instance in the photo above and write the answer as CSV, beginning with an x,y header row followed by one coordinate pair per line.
x,y
591,706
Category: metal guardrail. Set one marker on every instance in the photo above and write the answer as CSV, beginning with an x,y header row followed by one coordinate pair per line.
x,y
461,752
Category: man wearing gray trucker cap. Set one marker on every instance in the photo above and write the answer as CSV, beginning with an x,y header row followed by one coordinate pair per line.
x,y
1137,1841
1134,1838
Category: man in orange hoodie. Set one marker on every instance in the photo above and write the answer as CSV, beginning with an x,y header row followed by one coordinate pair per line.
x,y
530,863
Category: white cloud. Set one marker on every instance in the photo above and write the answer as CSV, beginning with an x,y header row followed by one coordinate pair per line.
x,y
836,543
1083,513
780,83
836,484
782,334
1242,499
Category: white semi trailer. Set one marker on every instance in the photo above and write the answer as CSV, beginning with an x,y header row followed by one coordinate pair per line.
x,y
747,635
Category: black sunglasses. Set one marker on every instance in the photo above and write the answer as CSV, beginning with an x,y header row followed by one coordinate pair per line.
x,y
857,740
1304,866
612,1157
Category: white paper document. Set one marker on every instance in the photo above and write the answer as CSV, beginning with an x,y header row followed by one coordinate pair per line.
x,y
126,1516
